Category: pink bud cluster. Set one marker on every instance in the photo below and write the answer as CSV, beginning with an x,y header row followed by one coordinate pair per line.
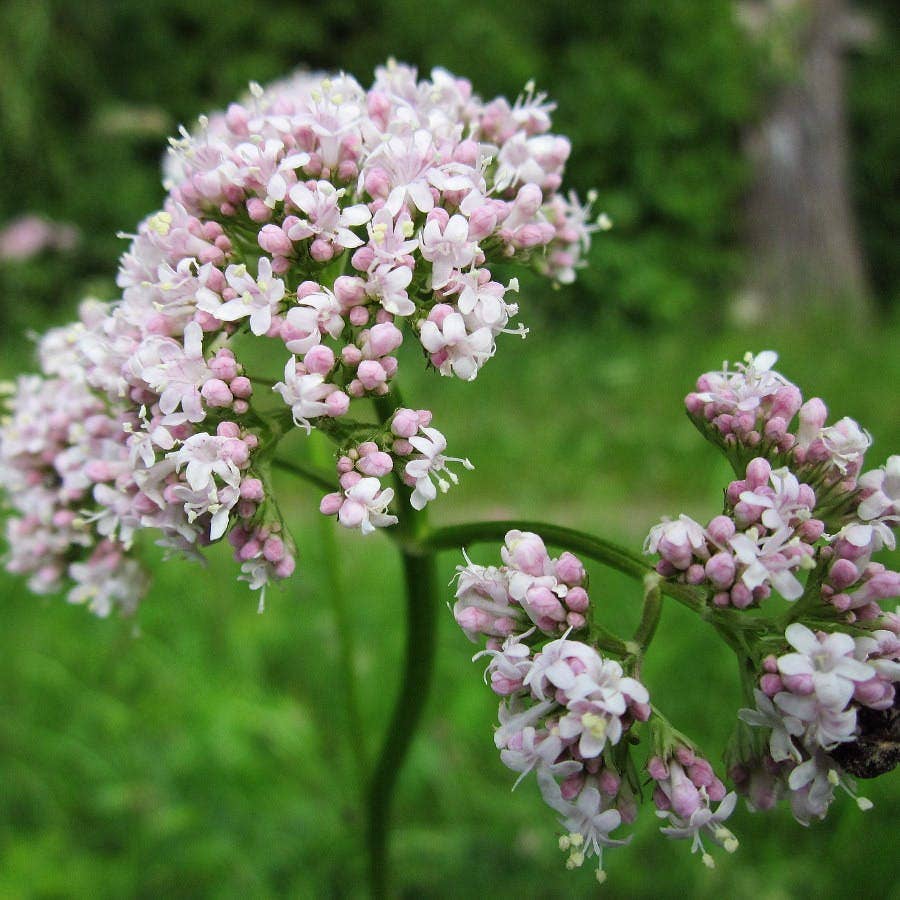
x,y
564,706
407,446
304,229
766,536
810,702
529,588
774,523
750,412
685,789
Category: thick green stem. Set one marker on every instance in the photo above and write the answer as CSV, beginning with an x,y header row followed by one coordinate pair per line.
x,y
650,613
421,624
346,640
307,473
606,552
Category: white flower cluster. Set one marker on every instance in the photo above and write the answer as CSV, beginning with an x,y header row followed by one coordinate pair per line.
x,y
321,219
810,701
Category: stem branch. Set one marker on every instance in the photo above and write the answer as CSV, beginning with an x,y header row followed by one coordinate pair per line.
x,y
606,552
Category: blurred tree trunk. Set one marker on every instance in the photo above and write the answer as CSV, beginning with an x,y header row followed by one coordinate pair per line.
x,y
800,225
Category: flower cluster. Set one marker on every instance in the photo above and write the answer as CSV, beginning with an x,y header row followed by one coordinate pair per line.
x,y
570,714
766,536
529,588
822,706
308,231
749,413
564,708
773,528
685,788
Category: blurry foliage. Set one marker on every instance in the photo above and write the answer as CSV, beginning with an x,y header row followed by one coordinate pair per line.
x,y
653,96
874,92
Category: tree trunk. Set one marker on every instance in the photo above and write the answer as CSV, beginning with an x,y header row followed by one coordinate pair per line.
x,y
800,225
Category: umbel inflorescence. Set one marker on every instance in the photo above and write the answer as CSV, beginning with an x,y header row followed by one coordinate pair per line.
x,y
329,224
818,674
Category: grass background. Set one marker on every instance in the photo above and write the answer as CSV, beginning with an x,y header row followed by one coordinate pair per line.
x,y
202,750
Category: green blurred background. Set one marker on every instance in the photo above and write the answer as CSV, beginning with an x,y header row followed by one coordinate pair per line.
x,y
201,750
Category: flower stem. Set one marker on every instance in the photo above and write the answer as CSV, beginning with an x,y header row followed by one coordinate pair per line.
x,y
650,613
421,624
307,473
347,654
602,551
422,607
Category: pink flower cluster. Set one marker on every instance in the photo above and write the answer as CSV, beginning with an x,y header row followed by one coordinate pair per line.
x,y
749,412
304,229
810,702
686,787
564,706
775,519
765,538
529,588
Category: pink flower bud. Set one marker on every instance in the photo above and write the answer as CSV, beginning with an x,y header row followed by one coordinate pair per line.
x,y
405,423
321,250
375,464
258,211
241,387
577,600
371,374
331,503
363,258
337,403
285,568
223,367
741,596
273,240
525,551
758,472
351,355
252,489
771,684
250,550
215,392
720,569
721,529
358,316
439,215
569,570
273,549
641,712
383,339
482,222
439,312
236,451
319,359
695,574
874,693
541,602
349,290
811,530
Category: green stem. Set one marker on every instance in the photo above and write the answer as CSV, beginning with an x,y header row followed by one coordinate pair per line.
x,y
421,622
606,552
650,614
421,625
347,654
306,472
